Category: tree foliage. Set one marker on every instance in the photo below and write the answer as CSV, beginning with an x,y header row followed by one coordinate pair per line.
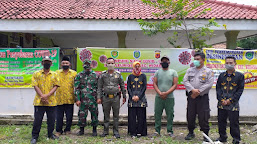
x,y
173,14
248,43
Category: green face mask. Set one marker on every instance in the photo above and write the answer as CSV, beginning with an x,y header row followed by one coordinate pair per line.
x,y
86,66
196,63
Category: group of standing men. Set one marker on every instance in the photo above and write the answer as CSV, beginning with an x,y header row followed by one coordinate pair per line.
x,y
87,90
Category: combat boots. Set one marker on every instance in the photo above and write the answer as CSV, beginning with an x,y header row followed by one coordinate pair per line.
x,y
81,131
94,131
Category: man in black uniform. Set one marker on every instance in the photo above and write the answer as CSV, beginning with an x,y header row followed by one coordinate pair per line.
x,y
229,87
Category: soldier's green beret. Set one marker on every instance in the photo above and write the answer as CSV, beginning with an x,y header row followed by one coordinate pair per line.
x,y
87,60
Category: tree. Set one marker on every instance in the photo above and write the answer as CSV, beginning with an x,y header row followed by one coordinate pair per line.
x,y
248,43
176,12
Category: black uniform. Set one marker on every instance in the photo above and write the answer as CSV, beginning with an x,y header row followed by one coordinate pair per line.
x,y
136,85
229,86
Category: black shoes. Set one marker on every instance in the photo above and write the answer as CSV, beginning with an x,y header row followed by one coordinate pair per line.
x,y
104,135
81,131
94,131
117,136
221,140
190,136
53,137
33,141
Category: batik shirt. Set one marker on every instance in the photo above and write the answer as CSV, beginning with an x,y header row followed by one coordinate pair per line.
x,y
45,82
230,86
65,93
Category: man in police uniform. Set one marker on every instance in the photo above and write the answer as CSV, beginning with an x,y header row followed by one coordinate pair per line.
x,y
85,84
198,81
108,94
229,87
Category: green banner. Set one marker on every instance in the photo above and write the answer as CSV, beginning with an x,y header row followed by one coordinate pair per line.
x,y
180,60
17,65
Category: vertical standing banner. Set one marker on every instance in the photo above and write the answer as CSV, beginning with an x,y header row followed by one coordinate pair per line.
x,y
246,63
17,65
180,60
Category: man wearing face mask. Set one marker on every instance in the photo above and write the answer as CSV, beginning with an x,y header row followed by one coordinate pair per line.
x,y
229,87
85,93
65,96
45,83
198,81
108,94
165,82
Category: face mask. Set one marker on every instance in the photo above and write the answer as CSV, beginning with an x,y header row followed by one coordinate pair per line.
x,y
110,66
165,65
47,65
197,63
65,67
229,67
86,67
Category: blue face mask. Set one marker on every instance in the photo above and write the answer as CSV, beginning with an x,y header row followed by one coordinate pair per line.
x,y
196,63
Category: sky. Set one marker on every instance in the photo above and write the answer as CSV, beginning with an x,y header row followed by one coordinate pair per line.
x,y
247,2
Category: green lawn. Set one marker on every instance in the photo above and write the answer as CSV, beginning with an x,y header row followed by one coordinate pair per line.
x,y
21,134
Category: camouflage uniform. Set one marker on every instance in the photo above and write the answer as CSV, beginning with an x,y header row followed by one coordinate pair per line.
x,y
85,91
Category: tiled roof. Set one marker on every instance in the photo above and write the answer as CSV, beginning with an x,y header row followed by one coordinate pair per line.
x,y
111,9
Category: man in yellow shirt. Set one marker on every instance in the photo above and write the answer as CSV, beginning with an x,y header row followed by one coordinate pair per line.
x,y
65,96
45,83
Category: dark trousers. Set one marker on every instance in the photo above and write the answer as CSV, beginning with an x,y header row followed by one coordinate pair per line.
x,y
39,112
198,106
234,124
68,110
137,121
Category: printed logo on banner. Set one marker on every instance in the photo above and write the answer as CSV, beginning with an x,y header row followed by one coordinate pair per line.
x,y
249,55
137,54
184,58
157,54
114,53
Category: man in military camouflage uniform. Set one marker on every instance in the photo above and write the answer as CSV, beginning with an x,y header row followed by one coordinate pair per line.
x,y
108,94
85,90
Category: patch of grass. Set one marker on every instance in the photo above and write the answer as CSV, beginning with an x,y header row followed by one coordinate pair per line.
x,y
21,134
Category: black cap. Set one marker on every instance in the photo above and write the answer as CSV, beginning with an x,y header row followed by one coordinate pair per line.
x,y
65,58
165,57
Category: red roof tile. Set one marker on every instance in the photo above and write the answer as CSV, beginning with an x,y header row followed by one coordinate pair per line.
x,y
111,9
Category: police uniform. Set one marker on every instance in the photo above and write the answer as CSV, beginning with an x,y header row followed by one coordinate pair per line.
x,y
201,79
85,91
229,86
108,90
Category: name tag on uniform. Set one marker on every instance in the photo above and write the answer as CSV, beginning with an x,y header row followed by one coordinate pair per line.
x,y
110,95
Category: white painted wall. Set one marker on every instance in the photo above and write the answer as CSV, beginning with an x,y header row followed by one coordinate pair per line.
x,y
18,101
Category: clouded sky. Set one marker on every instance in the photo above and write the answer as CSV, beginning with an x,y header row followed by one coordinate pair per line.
x,y
247,2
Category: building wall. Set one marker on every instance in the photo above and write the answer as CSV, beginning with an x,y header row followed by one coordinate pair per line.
x,y
19,101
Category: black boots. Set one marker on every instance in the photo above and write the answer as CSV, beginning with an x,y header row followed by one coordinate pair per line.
x,y
81,131
94,131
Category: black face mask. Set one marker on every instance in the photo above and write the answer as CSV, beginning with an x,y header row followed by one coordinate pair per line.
x,y
47,65
87,72
65,67
165,65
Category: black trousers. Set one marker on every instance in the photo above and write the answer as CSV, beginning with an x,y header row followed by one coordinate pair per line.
x,y
198,106
137,121
233,116
39,112
68,110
